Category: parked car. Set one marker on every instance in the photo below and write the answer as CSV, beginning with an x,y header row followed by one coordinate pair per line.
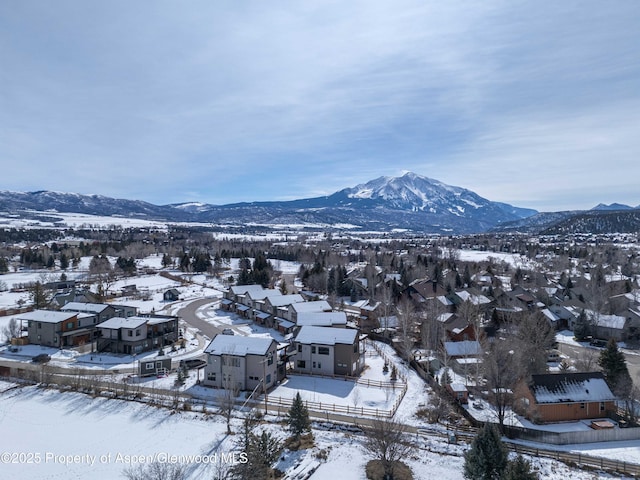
x,y
42,358
596,342
228,331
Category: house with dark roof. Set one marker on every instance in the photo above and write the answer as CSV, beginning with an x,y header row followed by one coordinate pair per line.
x,y
562,397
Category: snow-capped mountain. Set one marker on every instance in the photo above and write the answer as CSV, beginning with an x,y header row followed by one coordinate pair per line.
x,y
409,202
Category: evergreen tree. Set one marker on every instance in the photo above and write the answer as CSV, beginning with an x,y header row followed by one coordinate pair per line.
x,y
64,262
38,295
298,417
581,327
487,457
614,368
519,469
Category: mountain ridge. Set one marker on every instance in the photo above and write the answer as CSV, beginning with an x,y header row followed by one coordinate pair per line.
x,y
411,202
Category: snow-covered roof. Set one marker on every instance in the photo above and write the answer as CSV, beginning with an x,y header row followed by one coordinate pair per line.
x,y
84,307
47,316
238,345
322,319
550,315
465,348
117,323
317,306
444,300
244,289
611,321
570,388
443,317
474,299
457,387
283,300
326,335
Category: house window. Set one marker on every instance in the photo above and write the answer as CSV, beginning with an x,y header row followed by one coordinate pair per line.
x,y
270,359
269,378
323,350
302,364
149,366
314,365
313,349
138,332
342,365
211,376
602,406
130,333
231,361
299,347
55,339
582,406
355,348
70,325
39,325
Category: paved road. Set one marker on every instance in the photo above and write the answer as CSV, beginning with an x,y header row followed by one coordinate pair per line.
x,y
576,352
188,314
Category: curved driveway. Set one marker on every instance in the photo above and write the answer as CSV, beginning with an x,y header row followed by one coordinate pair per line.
x,y
188,314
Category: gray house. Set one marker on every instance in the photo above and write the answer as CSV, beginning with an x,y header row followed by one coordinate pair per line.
x,y
137,334
102,311
327,351
58,329
241,363
154,366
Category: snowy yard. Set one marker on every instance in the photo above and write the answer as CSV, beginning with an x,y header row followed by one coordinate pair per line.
x,y
106,436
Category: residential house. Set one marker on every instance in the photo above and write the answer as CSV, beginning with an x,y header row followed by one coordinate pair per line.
x,y
305,307
159,365
123,335
327,351
322,319
101,311
241,363
58,329
562,397
458,391
136,334
171,295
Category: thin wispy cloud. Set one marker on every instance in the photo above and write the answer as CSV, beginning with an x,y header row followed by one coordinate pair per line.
x,y
240,101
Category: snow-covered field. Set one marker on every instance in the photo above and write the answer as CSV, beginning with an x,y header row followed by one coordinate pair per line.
x,y
79,437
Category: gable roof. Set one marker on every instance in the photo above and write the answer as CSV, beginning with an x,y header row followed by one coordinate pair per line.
x,y
466,348
326,335
238,345
317,306
244,289
283,300
570,388
322,319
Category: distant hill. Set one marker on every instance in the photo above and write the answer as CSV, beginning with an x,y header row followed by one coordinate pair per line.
x,y
596,221
613,206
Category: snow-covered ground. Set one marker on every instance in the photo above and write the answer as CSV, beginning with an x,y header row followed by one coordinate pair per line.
x,y
80,436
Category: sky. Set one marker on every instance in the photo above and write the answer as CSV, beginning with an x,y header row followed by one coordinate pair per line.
x,y
532,103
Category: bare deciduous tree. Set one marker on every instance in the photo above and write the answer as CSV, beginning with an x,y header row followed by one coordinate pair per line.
x,y
387,441
156,471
